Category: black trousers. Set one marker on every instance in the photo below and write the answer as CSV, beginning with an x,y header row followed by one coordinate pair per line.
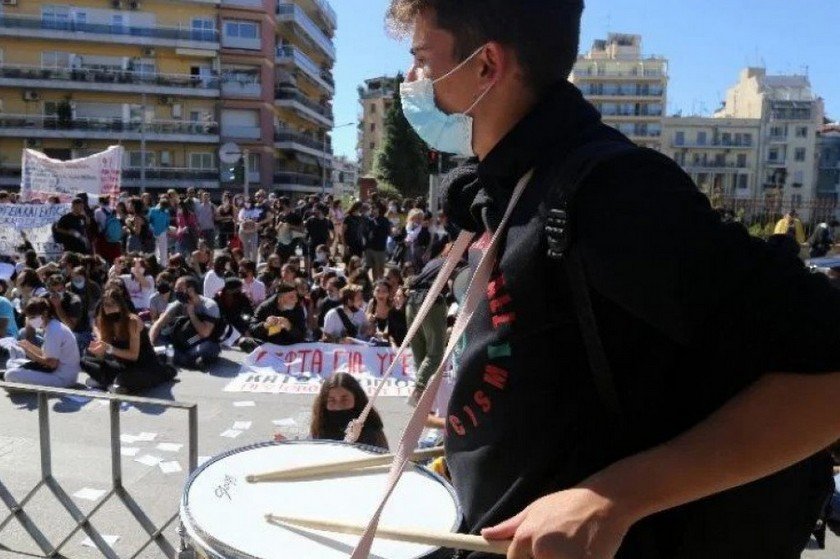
x,y
133,378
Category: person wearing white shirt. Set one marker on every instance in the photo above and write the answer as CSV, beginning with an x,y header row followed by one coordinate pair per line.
x,y
214,280
347,324
253,288
140,285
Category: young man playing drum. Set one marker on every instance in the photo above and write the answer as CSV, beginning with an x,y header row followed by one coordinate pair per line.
x,y
723,354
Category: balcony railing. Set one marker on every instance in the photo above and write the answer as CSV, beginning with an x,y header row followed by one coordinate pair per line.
x,y
291,177
716,144
172,174
185,33
328,12
713,165
286,94
302,139
38,122
613,93
108,76
632,113
293,12
294,54
618,74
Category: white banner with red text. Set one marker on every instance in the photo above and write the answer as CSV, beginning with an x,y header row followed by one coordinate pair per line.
x,y
302,369
98,174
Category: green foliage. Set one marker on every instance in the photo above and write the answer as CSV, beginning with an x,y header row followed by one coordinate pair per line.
x,y
402,159
387,191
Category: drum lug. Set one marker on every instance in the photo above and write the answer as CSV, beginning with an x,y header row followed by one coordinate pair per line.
x,y
187,553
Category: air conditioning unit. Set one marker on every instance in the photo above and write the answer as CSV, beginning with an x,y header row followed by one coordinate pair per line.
x,y
147,52
166,100
78,144
33,143
133,5
177,110
31,95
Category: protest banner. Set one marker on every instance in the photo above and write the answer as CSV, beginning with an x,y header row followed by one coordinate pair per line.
x,y
302,368
35,222
97,174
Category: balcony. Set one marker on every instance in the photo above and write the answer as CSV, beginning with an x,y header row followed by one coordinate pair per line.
x,y
241,84
300,182
296,141
327,13
108,80
712,145
167,177
600,94
29,27
38,126
292,13
306,107
291,55
636,74
632,114
251,4
720,166
776,162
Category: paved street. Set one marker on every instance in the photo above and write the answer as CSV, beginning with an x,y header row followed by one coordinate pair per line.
x,y
81,456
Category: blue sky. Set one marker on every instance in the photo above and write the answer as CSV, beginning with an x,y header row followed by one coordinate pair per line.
x,y
706,41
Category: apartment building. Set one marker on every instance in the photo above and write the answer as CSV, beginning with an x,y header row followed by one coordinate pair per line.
x,y
828,173
628,88
790,115
720,154
170,80
345,177
376,98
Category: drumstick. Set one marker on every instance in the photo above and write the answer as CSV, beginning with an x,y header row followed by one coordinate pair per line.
x,y
304,472
426,537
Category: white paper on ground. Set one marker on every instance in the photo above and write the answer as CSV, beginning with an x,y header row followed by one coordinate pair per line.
x,y
170,447
89,494
149,460
169,467
285,422
129,451
147,437
110,540
231,433
244,404
130,439
242,425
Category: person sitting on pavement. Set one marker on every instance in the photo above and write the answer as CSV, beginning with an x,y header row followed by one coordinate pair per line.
x,y
56,362
214,280
162,296
234,305
122,355
341,400
86,290
194,323
279,320
347,324
69,309
253,288
140,284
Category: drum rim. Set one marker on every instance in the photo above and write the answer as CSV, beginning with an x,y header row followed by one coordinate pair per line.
x,y
217,549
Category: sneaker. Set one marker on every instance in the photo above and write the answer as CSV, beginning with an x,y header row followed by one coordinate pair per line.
x,y
92,383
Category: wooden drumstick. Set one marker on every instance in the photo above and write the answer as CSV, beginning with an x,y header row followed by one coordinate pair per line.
x,y
293,474
425,537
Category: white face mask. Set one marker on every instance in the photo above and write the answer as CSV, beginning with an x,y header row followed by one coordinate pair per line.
x,y
37,322
449,133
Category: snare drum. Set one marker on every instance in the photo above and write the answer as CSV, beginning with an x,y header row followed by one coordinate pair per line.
x,y
224,516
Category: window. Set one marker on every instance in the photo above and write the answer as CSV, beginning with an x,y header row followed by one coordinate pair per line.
x,y
742,160
798,178
373,108
55,59
720,160
701,138
241,29
679,139
726,138
778,132
796,200
799,154
55,17
202,161
747,139
801,131
373,127
742,181
773,155
202,29
254,162
117,23
135,158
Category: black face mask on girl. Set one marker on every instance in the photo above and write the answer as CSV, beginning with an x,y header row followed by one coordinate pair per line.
x,y
337,421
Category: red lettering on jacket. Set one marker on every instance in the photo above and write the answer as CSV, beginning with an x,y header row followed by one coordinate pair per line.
x,y
483,401
473,418
495,376
495,286
496,305
456,425
506,318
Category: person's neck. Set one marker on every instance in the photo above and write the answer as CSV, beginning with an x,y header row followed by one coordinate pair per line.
x,y
491,127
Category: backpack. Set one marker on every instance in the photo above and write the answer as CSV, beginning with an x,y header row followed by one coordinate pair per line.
x,y
113,229
795,490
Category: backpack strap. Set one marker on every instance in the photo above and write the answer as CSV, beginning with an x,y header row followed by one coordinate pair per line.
x,y
566,183
352,330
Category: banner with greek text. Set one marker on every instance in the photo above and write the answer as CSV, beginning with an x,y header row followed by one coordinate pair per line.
x,y
302,368
97,174
32,222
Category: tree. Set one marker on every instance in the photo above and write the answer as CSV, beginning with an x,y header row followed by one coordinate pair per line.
x,y
402,160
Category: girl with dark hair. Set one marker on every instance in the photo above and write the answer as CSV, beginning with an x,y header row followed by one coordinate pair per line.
x,y
122,354
88,291
341,400
387,325
56,362
187,227
354,232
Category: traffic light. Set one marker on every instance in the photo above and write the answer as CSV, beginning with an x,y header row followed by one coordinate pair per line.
x,y
237,172
434,157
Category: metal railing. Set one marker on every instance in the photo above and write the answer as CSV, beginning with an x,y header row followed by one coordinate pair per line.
x,y
107,75
302,139
293,12
172,173
181,33
286,94
155,533
291,177
293,53
607,93
40,122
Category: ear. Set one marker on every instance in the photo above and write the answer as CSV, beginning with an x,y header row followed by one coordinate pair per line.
x,y
495,62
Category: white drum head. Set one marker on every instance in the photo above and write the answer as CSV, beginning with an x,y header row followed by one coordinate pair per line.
x,y
225,516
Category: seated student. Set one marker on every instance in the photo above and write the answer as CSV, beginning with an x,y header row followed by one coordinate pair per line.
x,y
331,300
69,309
56,362
140,284
347,324
384,320
86,290
214,280
29,285
162,296
122,354
253,288
193,324
8,321
280,319
234,306
340,401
